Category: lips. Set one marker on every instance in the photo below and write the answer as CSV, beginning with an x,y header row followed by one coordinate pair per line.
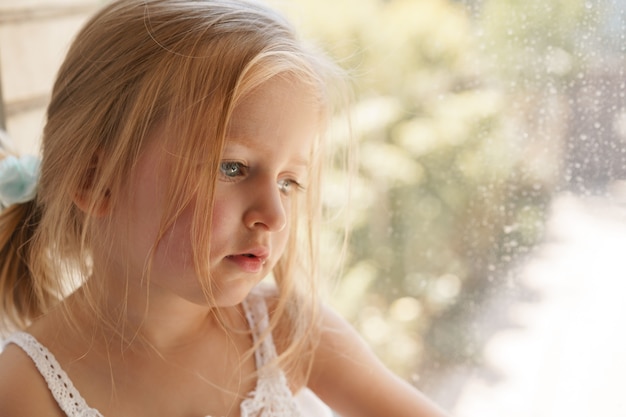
x,y
250,261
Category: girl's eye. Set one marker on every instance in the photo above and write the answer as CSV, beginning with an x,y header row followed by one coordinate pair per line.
x,y
287,186
232,169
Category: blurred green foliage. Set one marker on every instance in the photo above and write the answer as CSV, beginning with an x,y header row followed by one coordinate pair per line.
x,y
459,117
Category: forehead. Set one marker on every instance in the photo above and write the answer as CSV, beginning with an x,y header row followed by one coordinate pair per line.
x,y
278,91
281,107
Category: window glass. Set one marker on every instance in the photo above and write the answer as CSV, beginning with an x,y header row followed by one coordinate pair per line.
x,y
488,219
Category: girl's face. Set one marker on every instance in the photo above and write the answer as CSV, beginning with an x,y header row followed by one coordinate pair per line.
x,y
263,168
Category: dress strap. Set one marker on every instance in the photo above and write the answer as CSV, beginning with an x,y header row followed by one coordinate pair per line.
x,y
258,319
272,396
60,385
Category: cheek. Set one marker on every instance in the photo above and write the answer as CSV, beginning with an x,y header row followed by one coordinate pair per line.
x,y
219,217
280,240
175,247
225,228
135,227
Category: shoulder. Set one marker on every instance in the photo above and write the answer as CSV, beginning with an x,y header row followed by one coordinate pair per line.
x,y
23,391
348,376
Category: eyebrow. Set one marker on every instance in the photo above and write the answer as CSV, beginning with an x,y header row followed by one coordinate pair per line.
x,y
299,159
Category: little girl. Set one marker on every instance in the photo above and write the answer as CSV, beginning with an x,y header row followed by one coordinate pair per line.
x,y
181,166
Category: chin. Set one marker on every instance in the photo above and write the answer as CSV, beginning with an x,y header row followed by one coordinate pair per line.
x,y
234,292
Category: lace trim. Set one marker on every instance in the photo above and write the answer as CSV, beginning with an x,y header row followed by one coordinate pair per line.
x,y
272,396
61,387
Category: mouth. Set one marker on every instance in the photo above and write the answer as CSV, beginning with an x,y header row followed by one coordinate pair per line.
x,y
257,252
247,255
251,255
252,261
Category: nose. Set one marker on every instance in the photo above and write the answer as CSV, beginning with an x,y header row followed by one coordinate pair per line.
x,y
266,208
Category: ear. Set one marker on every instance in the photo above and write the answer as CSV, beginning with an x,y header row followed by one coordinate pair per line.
x,y
99,208
86,198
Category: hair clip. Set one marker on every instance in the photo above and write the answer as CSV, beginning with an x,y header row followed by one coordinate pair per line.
x,y
18,179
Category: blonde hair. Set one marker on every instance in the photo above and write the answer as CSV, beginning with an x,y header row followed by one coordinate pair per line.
x,y
139,65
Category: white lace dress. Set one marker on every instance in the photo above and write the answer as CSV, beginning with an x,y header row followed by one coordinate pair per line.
x,y
271,397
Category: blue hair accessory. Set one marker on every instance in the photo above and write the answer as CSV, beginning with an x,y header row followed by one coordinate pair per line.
x,y
18,179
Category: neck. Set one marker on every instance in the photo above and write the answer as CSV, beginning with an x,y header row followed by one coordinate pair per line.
x,y
154,322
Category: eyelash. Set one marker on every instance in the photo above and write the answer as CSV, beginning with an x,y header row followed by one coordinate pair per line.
x,y
288,182
226,169
232,169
